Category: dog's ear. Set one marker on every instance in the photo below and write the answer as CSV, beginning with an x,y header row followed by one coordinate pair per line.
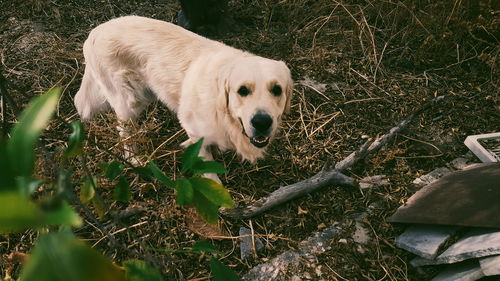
x,y
288,91
223,90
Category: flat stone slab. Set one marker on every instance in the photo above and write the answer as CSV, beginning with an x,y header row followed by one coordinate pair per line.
x,y
490,265
477,243
425,240
247,243
467,271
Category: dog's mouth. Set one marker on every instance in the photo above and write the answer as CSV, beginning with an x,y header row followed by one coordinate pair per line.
x,y
260,141
257,141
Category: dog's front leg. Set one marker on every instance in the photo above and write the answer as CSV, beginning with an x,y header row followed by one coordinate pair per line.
x,y
206,154
130,150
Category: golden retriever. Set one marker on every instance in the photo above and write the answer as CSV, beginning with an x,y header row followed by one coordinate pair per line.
x,y
231,98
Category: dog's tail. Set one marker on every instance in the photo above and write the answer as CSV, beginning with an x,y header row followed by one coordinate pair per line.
x,y
89,100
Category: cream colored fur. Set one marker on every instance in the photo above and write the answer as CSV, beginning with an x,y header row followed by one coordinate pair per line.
x,y
130,61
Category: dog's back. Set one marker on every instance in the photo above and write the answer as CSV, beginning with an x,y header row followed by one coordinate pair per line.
x,y
121,56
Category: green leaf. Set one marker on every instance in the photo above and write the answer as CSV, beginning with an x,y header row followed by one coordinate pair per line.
x,y
205,167
207,209
213,191
87,192
191,155
21,147
62,257
76,138
184,191
64,185
205,246
159,175
222,272
137,270
144,172
122,190
63,215
112,169
100,206
18,213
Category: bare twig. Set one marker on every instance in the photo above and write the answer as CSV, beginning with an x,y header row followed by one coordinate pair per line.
x,y
323,24
289,192
328,175
368,80
362,100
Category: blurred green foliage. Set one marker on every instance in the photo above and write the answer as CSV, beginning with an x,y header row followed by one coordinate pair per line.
x,y
59,255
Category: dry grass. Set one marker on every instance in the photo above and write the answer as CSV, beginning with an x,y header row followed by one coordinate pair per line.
x,y
373,63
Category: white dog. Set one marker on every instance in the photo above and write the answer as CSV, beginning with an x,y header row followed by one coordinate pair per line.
x,y
232,98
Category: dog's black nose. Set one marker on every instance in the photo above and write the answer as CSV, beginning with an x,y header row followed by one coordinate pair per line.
x,y
262,122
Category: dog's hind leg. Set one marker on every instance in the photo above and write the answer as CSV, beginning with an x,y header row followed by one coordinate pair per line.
x,y
89,99
132,99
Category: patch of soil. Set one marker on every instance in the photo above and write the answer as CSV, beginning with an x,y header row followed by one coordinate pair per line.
x,y
360,67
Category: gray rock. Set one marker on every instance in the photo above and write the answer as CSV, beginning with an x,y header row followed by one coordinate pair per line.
x,y
432,176
247,244
490,265
425,240
468,271
459,163
477,243
318,243
361,234
308,249
270,270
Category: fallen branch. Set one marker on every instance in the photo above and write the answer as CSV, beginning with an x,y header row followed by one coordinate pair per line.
x,y
329,175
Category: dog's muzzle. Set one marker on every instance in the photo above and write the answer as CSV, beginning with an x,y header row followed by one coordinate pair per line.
x,y
261,130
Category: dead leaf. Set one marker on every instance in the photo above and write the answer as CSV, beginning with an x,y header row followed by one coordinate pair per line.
x,y
17,257
302,212
10,262
198,225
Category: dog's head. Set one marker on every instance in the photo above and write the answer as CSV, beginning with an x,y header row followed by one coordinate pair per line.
x,y
258,91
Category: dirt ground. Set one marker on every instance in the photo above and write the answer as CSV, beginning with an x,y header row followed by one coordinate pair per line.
x,y
359,67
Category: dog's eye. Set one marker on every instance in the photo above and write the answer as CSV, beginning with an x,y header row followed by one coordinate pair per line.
x,y
243,91
276,90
